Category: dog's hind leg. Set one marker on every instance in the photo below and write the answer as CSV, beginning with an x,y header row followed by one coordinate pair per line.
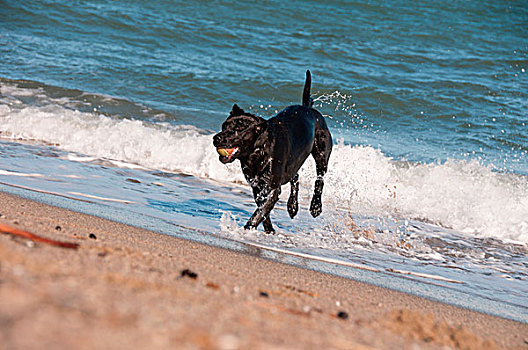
x,y
293,204
321,153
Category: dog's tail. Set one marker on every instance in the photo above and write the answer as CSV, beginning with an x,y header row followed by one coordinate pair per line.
x,y
306,99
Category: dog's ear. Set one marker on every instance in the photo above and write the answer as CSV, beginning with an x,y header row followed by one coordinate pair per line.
x,y
236,111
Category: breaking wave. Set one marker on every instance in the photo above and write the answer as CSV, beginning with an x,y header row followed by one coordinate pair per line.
x,y
462,195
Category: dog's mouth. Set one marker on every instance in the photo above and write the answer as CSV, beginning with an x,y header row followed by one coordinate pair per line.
x,y
227,154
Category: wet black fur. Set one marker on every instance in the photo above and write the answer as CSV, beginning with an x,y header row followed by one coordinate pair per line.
x,y
272,151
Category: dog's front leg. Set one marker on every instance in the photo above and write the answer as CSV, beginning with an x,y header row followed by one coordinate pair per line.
x,y
265,201
259,196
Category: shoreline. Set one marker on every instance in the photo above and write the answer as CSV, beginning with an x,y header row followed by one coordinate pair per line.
x,y
129,287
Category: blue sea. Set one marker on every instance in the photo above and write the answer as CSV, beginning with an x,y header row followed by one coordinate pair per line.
x,y
109,108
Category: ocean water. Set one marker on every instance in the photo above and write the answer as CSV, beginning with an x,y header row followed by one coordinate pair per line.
x,y
109,108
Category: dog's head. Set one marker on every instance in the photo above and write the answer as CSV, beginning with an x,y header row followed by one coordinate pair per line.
x,y
239,133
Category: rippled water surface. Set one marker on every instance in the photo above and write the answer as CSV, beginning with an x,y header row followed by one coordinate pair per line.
x,y
109,108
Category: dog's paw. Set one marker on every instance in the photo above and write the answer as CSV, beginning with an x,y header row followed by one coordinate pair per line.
x,y
293,208
316,208
268,226
270,232
249,226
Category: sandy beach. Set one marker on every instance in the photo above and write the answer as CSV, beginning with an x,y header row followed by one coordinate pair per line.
x,y
125,287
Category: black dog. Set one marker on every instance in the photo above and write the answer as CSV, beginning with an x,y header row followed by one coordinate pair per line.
x,y
272,151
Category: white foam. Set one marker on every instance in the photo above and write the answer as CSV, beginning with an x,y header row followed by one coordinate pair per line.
x,y
158,146
463,195
78,158
11,173
99,197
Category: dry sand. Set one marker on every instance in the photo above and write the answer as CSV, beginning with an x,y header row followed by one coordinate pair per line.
x,y
128,288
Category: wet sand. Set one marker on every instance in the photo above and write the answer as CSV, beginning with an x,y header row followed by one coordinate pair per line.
x,y
126,287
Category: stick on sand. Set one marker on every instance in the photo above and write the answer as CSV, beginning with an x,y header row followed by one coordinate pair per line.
x,y
16,232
